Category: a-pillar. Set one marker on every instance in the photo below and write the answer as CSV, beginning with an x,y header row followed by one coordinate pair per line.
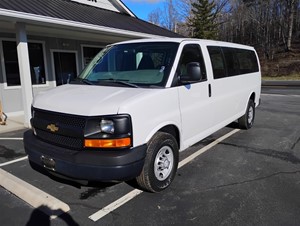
x,y
24,67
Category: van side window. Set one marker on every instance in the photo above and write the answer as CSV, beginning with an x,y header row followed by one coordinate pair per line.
x,y
231,60
247,61
191,53
217,61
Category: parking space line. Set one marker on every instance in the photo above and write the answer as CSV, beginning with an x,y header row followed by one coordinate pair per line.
x,y
35,197
13,161
11,138
129,196
206,148
116,204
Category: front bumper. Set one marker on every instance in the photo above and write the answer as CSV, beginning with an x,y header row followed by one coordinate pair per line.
x,y
90,165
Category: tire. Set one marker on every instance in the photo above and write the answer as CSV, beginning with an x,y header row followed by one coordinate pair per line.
x,y
160,164
247,120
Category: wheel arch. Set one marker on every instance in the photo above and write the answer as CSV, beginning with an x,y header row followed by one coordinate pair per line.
x,y
168,128
173,130
252,97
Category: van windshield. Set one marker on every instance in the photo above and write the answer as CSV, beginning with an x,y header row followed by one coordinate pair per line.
x,y
133,65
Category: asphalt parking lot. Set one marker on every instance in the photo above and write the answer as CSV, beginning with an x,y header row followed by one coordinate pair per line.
x,y
249,178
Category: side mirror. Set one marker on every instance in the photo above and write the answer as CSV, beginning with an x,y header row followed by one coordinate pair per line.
x,y
193,73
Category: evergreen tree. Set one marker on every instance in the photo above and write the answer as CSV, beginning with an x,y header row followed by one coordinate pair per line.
x,y
203,19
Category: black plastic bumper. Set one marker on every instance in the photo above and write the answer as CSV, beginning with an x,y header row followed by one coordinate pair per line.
x,y
91,165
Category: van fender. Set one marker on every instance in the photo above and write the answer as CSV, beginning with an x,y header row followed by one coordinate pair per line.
x,y
161,126
252,96
243,104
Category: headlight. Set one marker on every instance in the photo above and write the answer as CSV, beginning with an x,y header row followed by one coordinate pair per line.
x,y
110,131
107,126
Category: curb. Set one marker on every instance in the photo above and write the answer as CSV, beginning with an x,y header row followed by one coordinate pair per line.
x,y
10,129
281,83
11,125
35,197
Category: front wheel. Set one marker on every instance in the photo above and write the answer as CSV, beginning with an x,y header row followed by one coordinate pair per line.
x,y
247,120
160,164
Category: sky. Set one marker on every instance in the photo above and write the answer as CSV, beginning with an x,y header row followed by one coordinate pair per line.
x,y
141,8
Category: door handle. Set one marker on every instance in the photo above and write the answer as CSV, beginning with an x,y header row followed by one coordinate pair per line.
x,y
209,90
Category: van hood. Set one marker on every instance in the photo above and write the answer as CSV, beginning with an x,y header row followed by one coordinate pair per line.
x,y
87,100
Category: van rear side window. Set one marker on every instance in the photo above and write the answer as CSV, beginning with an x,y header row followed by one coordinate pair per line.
x,y
247,61
232,61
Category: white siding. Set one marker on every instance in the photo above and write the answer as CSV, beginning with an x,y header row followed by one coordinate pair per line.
x,y
103,4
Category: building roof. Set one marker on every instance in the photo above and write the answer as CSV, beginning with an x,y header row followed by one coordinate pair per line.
x,y
66,10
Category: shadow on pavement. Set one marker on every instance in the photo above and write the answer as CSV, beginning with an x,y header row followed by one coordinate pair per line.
x,y
39,217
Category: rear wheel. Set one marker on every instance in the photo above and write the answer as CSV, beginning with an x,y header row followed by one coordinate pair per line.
x,y
160,164
247,120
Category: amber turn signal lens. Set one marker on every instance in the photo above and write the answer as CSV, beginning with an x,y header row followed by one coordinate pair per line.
x,y
107,143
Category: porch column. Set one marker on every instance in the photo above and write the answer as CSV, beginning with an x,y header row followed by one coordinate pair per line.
x,y
24,67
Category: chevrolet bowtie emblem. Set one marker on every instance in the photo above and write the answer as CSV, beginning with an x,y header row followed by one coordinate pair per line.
x,y
52,127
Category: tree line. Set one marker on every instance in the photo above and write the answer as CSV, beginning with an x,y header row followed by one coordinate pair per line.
x,y
268,25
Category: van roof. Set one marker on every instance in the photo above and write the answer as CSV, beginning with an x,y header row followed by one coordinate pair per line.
x,y
180,40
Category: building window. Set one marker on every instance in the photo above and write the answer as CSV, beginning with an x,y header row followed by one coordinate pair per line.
x,y
36,59
65,67
89,53
11,63
37,64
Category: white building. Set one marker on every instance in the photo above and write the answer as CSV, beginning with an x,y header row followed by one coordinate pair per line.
x,y
45,43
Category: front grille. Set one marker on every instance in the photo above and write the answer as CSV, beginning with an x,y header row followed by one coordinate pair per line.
x,y
64,141
66,119
70,128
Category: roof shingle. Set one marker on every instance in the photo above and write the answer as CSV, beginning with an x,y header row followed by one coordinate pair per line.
x,y
73,11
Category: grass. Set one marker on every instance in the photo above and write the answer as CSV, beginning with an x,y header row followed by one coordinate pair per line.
x,y
292,77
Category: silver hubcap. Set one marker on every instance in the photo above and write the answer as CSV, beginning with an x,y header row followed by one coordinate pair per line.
x,y
163,163
250,115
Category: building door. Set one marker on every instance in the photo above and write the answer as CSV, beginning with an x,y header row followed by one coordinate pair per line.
x,y
65,67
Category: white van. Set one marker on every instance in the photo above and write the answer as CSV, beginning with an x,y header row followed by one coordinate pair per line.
x,y
139,103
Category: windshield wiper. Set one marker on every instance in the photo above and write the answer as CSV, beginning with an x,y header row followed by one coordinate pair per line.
x,y
127,83
81,80
123,82
86,81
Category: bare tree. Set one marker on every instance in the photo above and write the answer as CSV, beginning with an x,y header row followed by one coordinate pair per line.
x,y
154,17
270,25
291,6
167,17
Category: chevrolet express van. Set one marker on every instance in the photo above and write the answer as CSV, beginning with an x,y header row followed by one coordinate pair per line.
x,y
137,105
